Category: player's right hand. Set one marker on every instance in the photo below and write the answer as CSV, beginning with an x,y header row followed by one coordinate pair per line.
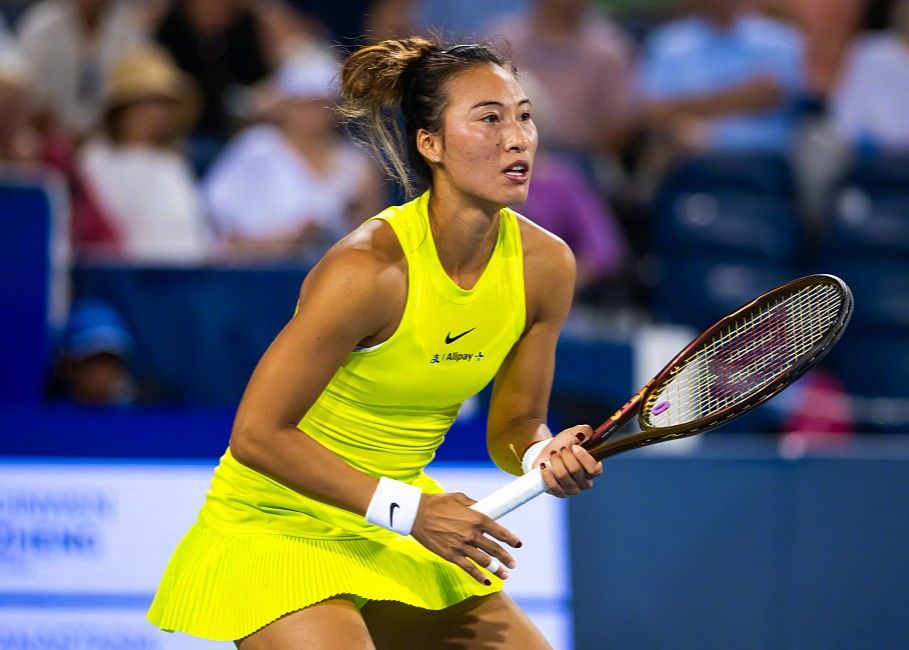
x,y
448,527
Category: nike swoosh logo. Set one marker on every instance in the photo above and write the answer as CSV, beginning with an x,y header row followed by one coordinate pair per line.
x,y
391,513
451,339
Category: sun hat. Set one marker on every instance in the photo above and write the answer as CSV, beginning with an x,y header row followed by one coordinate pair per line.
x,y
151,73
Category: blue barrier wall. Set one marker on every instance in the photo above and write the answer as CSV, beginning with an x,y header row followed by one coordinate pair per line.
x,y
743,549
26,220
200,332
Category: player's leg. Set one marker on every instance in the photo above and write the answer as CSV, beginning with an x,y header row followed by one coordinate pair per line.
x,y
328,625
488,622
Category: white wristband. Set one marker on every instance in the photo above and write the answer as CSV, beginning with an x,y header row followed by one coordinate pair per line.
x,y
394,505
531,454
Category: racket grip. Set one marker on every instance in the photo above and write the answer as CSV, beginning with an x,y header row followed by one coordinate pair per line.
x,y
513,494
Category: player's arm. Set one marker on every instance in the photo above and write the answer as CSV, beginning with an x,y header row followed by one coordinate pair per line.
x,y
341,303
520,396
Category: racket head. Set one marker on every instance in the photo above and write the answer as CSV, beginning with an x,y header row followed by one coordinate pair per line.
x,y
740,362
748,356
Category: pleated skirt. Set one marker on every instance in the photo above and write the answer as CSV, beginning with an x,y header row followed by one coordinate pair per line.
x,y
229,577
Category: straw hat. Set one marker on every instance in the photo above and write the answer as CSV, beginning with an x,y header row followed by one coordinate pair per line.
x,y
152,73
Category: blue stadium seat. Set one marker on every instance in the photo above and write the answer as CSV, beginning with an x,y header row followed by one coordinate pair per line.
x,y
870,209
733,205
757,226
698,291
760,173
873,363
880,286
886,173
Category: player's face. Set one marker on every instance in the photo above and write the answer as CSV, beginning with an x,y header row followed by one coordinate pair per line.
x,y
488,139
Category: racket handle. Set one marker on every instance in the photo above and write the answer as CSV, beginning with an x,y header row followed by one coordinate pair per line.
x,y
514,494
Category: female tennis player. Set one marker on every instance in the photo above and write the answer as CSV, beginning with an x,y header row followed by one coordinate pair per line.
x,y
321,529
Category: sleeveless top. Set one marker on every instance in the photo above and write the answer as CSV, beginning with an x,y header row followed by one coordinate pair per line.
x,y
388,407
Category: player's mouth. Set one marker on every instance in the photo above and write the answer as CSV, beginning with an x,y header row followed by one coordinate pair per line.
x,y
519,171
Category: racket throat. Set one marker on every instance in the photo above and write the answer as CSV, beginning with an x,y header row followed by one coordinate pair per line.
x,y
619,419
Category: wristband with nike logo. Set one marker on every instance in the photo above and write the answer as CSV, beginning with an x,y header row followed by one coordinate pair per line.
x,y
394,505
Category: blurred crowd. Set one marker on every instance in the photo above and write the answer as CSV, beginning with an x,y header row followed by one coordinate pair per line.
x,y
193,132
200,130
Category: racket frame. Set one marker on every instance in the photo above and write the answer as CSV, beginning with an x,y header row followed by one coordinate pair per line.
x,y
601,444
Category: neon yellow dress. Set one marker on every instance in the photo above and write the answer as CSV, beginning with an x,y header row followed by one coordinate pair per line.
x,y
260,550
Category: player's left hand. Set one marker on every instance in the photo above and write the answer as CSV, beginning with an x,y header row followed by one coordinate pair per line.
x,y
567,467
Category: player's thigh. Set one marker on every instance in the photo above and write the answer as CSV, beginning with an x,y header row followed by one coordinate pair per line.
x,y
331,624
487,622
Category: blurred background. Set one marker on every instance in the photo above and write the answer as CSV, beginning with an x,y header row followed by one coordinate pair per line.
x,y
171,169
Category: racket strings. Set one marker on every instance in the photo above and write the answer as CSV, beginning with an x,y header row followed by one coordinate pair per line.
x,y
746,355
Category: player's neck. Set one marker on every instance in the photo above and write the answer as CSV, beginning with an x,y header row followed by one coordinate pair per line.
x,y
464,231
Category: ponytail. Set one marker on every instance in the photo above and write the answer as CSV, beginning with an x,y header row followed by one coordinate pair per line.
x,y
403,78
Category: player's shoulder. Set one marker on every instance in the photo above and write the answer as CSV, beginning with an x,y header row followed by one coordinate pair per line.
x,y
366,257
544,251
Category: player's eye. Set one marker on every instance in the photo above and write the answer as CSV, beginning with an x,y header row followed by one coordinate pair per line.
x,y
491,118
526,116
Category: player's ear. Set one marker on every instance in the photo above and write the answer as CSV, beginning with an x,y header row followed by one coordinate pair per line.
x,y
429,145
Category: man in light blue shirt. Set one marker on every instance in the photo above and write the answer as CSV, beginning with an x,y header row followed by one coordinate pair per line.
x,y
723,79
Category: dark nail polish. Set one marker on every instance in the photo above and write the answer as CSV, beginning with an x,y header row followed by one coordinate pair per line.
x,y
552,453
487,582
580,437
542,465
519,545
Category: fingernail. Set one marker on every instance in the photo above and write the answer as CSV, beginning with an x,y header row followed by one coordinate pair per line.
x,y
512,564
542,465
504,575
519,545
580,437
487,582
552,453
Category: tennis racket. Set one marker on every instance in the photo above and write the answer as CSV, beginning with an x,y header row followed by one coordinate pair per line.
x,y
737,364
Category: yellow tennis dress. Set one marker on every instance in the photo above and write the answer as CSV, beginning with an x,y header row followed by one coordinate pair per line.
x,y
260,550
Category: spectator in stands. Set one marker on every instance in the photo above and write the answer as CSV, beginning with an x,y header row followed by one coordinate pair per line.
x,y
19,140
72,46
93,366
345,24
869,107
465,18
218,43
37,144
722,78
144,184
293,182
583,59
828,28
562,201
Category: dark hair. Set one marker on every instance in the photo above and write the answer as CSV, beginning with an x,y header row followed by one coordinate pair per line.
x,y
408,76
